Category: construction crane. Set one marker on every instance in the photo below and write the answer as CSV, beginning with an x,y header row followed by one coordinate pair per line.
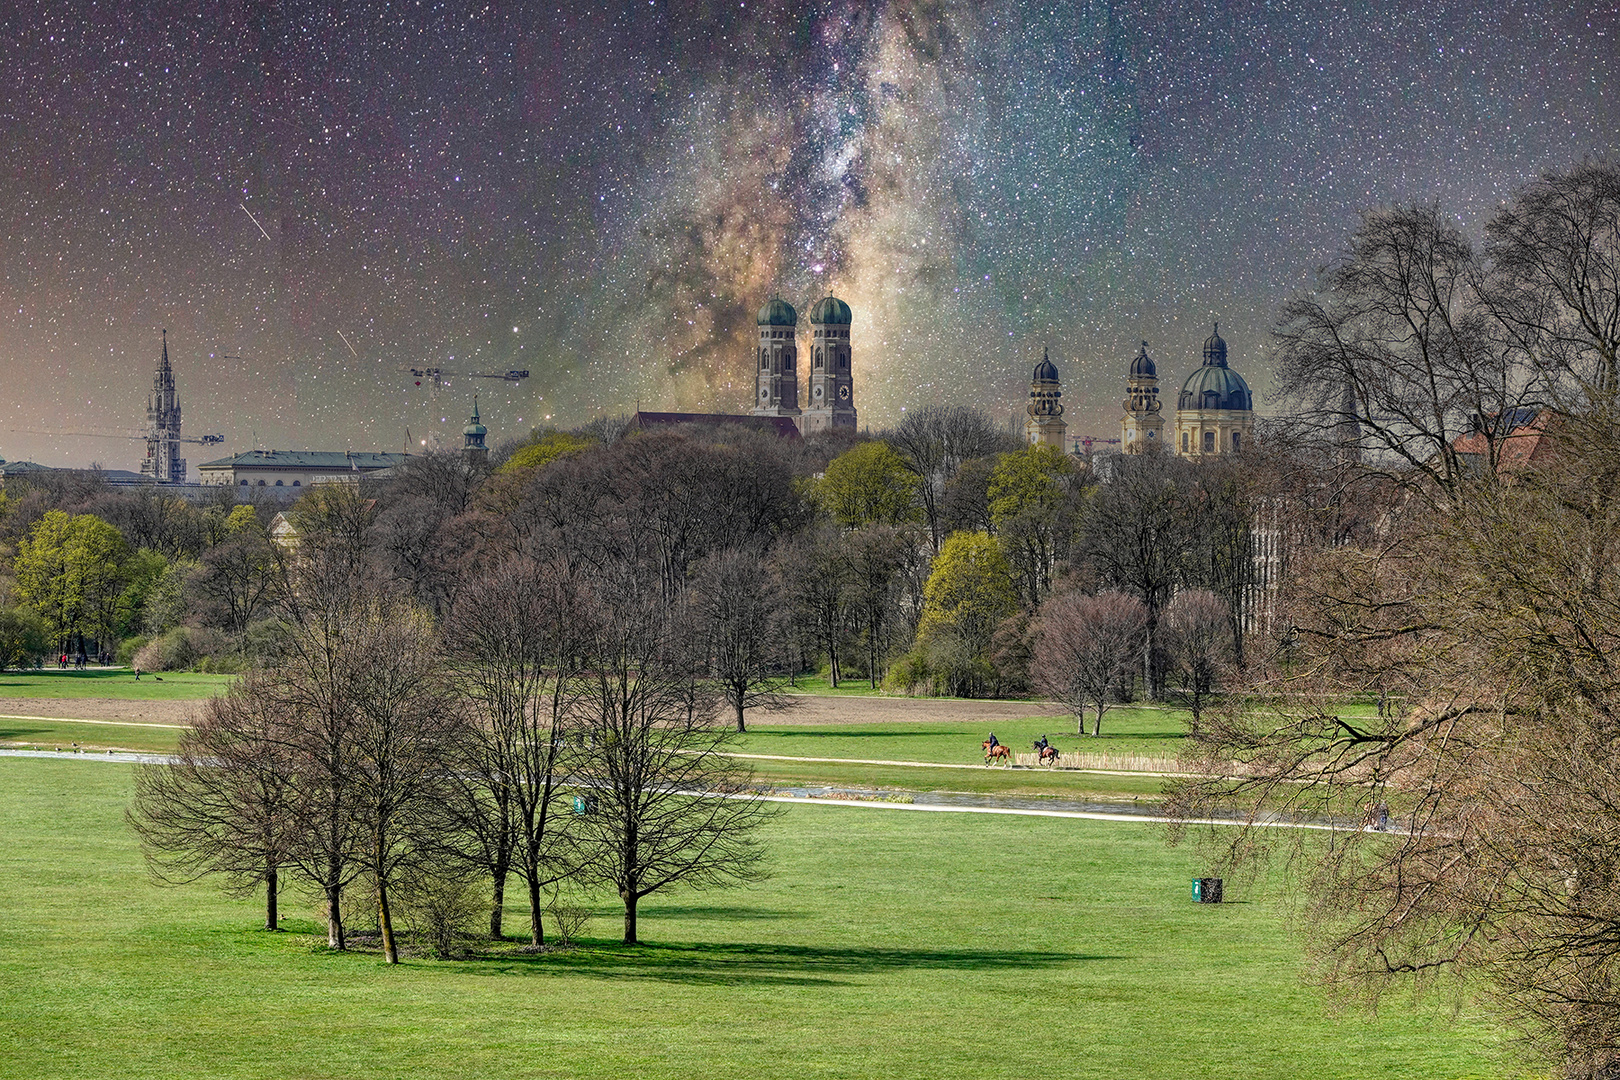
x,y
1084,443
440,378
200,440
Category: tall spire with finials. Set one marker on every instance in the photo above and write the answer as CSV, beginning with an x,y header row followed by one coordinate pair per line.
x,y
472,438
163,461
1141,428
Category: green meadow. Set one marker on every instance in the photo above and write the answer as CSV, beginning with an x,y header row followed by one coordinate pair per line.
x,y
111,683
885,943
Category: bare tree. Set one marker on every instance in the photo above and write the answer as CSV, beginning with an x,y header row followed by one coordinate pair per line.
x,y
405,734
1199,643
668,805
935,441
224,803
739,605
516,640
1474,808
817,583
1394,357
1139,533
1087,646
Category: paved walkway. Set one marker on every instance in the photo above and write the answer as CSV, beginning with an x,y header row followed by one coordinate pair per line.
x,y
864,804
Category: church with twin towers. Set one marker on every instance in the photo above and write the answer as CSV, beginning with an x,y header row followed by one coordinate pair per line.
x,y
829,400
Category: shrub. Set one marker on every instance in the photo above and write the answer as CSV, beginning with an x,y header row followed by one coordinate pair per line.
x,y
443,911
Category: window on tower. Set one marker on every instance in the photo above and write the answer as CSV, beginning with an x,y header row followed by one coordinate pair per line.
x,y
1209,442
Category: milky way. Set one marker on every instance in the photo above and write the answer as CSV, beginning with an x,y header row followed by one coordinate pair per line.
x,y
604,194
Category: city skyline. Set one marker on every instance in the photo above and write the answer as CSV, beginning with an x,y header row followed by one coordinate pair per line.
x,y
311,198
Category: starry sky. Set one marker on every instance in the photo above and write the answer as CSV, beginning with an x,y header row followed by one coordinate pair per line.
x,y
312,197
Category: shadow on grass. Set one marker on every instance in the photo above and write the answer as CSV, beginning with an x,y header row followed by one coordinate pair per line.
x,y
771,964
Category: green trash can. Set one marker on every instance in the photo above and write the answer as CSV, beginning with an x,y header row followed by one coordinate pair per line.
x,y
1207,890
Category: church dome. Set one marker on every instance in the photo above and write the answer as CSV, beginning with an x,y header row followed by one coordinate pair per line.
x,y
1045,371
778,312
474,427
830,309
1215,349
1215,386
1142,366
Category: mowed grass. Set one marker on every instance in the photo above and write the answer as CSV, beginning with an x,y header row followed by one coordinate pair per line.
x,y
887,943
45,734
1127,731
111,683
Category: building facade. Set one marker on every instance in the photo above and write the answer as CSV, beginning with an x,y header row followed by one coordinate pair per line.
x,y
1043,416
1215,413
294,468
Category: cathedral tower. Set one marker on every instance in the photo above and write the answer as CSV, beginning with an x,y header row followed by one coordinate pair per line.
x,y
832,389
1215,414
1044,425
1142,428
163,461
777,390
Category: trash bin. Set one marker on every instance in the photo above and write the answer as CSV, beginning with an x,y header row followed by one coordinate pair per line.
x,y
1206,890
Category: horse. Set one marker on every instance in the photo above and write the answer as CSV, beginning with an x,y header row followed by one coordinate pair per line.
x,y
991,753
1046,753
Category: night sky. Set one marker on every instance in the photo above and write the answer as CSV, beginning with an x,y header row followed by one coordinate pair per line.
x,y
605,194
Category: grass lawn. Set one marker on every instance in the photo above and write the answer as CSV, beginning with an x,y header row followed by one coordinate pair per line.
x,y
887,944
1157,733
67,735
110,683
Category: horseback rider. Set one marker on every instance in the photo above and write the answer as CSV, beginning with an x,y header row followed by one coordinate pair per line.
x,y
994,742
1041,744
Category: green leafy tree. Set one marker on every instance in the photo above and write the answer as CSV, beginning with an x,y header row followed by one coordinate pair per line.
x,y
23,638
1032,508
71,570
968,594
868,485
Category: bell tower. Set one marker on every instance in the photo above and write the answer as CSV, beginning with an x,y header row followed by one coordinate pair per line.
x,y
1142,427
832,387
1044,424
776,389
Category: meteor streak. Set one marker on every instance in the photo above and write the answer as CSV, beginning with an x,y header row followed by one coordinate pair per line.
x,y
255,220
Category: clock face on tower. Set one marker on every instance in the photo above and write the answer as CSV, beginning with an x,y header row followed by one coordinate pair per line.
x,y
818,393
764,393
843,393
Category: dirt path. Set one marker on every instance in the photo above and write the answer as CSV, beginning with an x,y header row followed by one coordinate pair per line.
x,y
813,709
111,709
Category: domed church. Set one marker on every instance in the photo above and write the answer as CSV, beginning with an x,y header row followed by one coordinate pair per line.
x,y
1214,414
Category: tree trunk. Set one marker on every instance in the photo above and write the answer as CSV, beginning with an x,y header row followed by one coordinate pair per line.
x,y
537,932
1096,731
630,900
334,916
738,700
386,924
498,904
270,884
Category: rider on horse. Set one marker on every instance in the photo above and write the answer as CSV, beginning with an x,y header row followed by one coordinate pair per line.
x,y
993,743
1041,744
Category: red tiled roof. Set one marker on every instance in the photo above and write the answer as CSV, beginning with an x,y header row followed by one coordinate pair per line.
x,y
782,427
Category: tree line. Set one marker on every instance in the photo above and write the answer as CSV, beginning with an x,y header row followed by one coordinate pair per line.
x,y
1452,418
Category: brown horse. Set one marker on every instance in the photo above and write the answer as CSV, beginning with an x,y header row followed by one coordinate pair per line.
x,y
1049,755
992,753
